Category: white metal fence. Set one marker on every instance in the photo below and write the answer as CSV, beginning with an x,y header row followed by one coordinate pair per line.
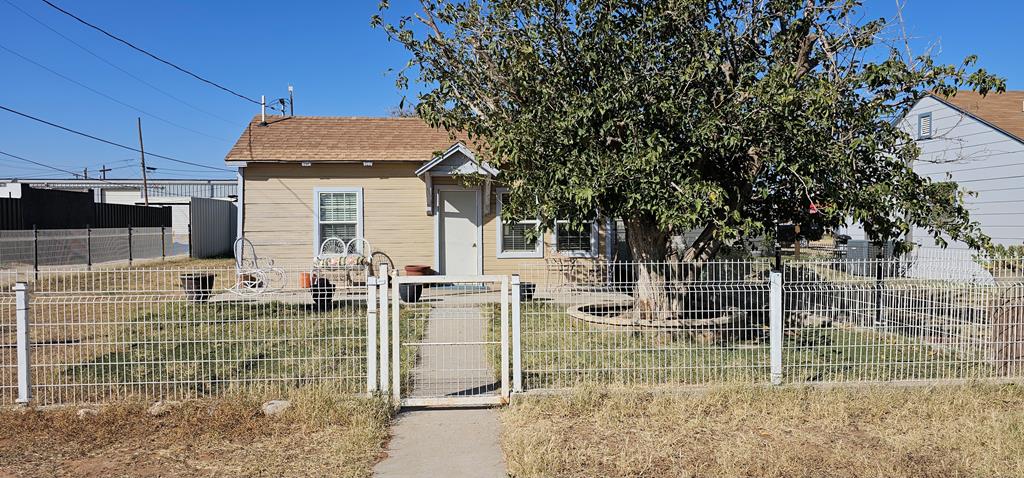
x,y
32,249
108,334
99,335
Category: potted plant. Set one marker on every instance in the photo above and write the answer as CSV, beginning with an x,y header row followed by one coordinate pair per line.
x,y
198,286
418,270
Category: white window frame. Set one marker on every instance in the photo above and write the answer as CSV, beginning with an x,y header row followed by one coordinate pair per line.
x,y
578,253
317,240
538,253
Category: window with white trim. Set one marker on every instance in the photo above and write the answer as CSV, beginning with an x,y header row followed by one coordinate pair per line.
x,y
339,214
577,243
517,239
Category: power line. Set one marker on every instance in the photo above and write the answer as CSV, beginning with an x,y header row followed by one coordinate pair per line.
x,y
118,68
119,145
151,55
111,98
43,164
1017,176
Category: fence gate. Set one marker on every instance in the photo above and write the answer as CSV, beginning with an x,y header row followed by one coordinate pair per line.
x,y
450,345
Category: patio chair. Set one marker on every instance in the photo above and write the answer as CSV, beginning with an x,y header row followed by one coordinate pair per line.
x,y
340,259
254,276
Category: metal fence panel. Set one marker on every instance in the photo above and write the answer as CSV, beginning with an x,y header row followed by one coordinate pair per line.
x,y
115,334
66,247
580,324
212,227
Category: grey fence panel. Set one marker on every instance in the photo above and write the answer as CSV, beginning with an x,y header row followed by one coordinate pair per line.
x,y
212,227
80,247
16,249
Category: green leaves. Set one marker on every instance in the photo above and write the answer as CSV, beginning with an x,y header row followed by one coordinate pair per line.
x,y
736,114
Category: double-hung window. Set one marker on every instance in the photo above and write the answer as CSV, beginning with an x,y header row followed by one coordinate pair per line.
x,y
518,239
574,242
339,213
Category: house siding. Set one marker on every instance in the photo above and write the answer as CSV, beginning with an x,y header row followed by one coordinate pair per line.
x,y
279,212
981,159
279,209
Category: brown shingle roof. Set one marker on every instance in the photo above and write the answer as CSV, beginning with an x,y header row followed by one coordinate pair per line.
x,y
336,138
1002,110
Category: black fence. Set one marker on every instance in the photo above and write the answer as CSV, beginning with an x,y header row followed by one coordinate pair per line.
x,y
59,209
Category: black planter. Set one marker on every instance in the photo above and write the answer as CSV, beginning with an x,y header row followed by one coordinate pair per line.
x,y
323,294
526,290
198,287
410,292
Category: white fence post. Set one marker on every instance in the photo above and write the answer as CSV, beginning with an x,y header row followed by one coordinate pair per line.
x,y
395,344
505,390
775,325
385,353
21,292
517,346
371,334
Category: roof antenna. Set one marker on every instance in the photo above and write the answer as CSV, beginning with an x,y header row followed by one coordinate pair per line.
x,y
291,101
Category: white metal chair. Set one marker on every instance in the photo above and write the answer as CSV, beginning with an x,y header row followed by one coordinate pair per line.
x,y
254,276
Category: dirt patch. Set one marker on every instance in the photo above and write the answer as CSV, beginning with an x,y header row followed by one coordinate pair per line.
x,y
323,433
863,432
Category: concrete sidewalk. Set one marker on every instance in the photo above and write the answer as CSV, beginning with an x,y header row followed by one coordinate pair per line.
x,y
451,361
452,442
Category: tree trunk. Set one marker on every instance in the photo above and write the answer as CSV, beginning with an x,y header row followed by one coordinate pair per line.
x,y
661,285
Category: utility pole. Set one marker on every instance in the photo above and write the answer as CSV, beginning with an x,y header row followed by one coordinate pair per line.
x,y
142,156
85,173
103,172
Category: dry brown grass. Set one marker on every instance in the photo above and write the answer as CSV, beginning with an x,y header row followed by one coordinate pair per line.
x,y
324,433
950,431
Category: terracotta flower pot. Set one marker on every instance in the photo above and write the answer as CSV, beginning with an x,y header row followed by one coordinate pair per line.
x,y
418,270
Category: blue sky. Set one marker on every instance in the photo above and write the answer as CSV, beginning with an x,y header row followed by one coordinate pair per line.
x,y
338,64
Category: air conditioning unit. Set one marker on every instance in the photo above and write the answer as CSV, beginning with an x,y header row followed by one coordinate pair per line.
x,y
861,254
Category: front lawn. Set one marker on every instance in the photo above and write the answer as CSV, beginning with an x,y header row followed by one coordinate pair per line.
x,y
562,351
744,431
325,433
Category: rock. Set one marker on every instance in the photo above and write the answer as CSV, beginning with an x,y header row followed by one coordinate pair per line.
x,y
275,407
87,412
161,407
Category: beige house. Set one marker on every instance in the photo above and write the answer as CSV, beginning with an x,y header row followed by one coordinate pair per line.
x,y
390,181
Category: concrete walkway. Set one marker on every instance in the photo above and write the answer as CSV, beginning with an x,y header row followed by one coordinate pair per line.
x,y
444,443
451,361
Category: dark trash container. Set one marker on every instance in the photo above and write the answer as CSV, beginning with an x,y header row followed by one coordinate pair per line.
x,y
323,293
410,292
526,290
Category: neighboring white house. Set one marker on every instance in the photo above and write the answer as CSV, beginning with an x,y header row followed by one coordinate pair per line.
x,y
978,142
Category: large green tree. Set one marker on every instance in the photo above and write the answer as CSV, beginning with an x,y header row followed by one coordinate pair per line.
x,y
723,116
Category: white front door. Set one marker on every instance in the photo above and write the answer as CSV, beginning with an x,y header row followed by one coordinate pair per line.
x,y
458,226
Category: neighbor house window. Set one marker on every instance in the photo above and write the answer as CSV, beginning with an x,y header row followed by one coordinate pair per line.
x,y
924,126
339,213
574,242
517,239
